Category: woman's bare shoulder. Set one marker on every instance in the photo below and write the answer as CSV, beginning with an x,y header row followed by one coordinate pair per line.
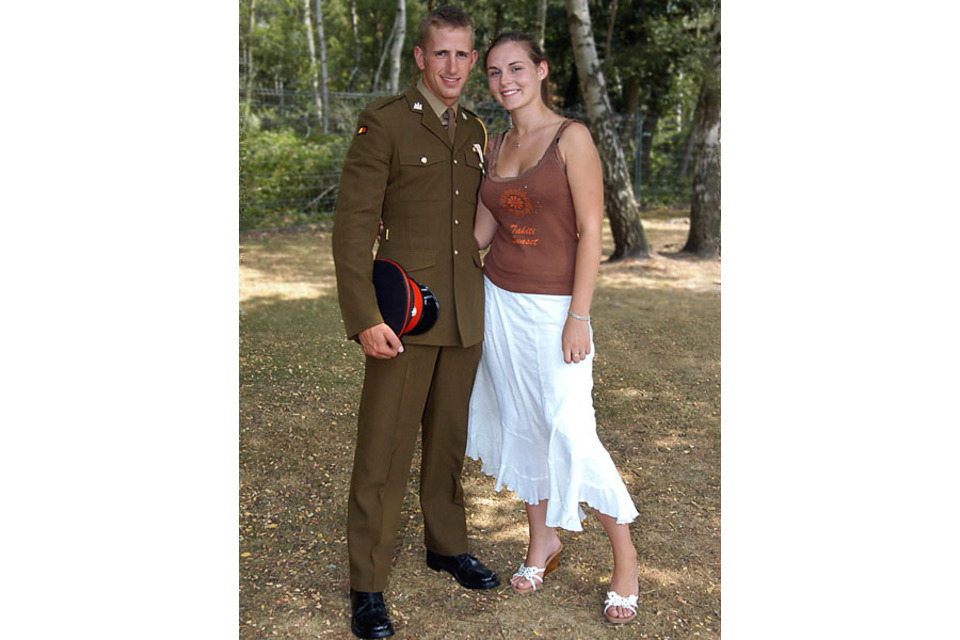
x,y
576,138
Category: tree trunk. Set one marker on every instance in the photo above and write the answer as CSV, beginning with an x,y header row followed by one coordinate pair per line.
x,y
651,119
352,86
324,81
280,90
622,210
397,53
541,23
631,102
249,88
704,237
679,111
687,154
314,79
613,20
383,56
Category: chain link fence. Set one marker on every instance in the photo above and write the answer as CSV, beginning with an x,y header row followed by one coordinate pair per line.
x,y
290,167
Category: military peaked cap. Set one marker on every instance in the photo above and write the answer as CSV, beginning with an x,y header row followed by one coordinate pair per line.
x,y
407,306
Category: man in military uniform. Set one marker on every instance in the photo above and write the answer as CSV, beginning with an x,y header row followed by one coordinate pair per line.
x,y
414,166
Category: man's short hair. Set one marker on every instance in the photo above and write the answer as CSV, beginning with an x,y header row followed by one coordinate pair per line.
x,y
446,16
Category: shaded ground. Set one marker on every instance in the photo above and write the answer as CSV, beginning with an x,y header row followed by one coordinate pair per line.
x,y
657,397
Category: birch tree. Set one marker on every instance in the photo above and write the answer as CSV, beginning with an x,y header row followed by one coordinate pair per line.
x,y
375,84
704,237
324,80
541,29
356,47
613,21
249,64
314,78
397,52
621,206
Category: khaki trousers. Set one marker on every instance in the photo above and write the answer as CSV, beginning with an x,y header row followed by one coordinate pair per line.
x,y
428,385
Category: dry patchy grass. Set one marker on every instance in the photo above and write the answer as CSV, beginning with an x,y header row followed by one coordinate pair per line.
x,y
657,397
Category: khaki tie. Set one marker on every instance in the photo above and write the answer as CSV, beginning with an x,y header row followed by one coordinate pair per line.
x,y
450,117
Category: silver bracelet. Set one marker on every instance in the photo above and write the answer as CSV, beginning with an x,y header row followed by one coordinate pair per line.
x,y
576,317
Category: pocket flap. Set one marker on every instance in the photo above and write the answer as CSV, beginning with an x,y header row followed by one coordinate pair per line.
x,y
412,157
471,158
410,259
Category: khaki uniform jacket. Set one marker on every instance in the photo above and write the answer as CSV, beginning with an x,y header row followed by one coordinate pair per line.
x,y
402,169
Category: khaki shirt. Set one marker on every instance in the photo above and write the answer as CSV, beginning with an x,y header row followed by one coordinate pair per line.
x,y
435,103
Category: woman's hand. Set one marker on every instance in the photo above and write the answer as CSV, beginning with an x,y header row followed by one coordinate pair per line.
x,y
575,341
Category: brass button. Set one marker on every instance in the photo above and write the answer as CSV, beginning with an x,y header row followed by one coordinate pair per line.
x,y
455,252
455,161
423,159
456,191
456,222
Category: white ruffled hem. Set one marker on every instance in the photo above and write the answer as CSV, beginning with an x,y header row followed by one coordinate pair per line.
x,y
612,501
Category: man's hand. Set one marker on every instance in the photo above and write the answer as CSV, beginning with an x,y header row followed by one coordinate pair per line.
x,y
379,341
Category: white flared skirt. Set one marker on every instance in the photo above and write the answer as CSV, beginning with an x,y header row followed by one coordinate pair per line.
x,y
532,423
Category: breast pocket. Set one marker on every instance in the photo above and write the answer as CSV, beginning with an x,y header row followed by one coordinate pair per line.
x,y
424,175
471,158
468,179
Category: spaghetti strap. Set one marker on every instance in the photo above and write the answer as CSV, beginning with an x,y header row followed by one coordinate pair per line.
x,y
494,152
561,128
556,141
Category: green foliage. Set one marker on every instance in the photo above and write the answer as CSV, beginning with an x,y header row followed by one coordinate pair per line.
x,y
287,180
289,174
663,186
279,43
244,191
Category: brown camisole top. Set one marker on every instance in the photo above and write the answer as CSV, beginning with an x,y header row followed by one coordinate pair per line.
x,y
535,245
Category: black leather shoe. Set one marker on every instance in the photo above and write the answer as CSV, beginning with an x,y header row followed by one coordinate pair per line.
x,y
465,568
369,615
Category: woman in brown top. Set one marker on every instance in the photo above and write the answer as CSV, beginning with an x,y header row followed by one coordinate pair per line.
x,y
532,422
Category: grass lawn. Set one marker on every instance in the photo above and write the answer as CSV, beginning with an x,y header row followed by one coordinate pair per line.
x,y
657,399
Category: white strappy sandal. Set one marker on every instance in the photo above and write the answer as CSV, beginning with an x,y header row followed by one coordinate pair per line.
x,y
533,574
614,599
